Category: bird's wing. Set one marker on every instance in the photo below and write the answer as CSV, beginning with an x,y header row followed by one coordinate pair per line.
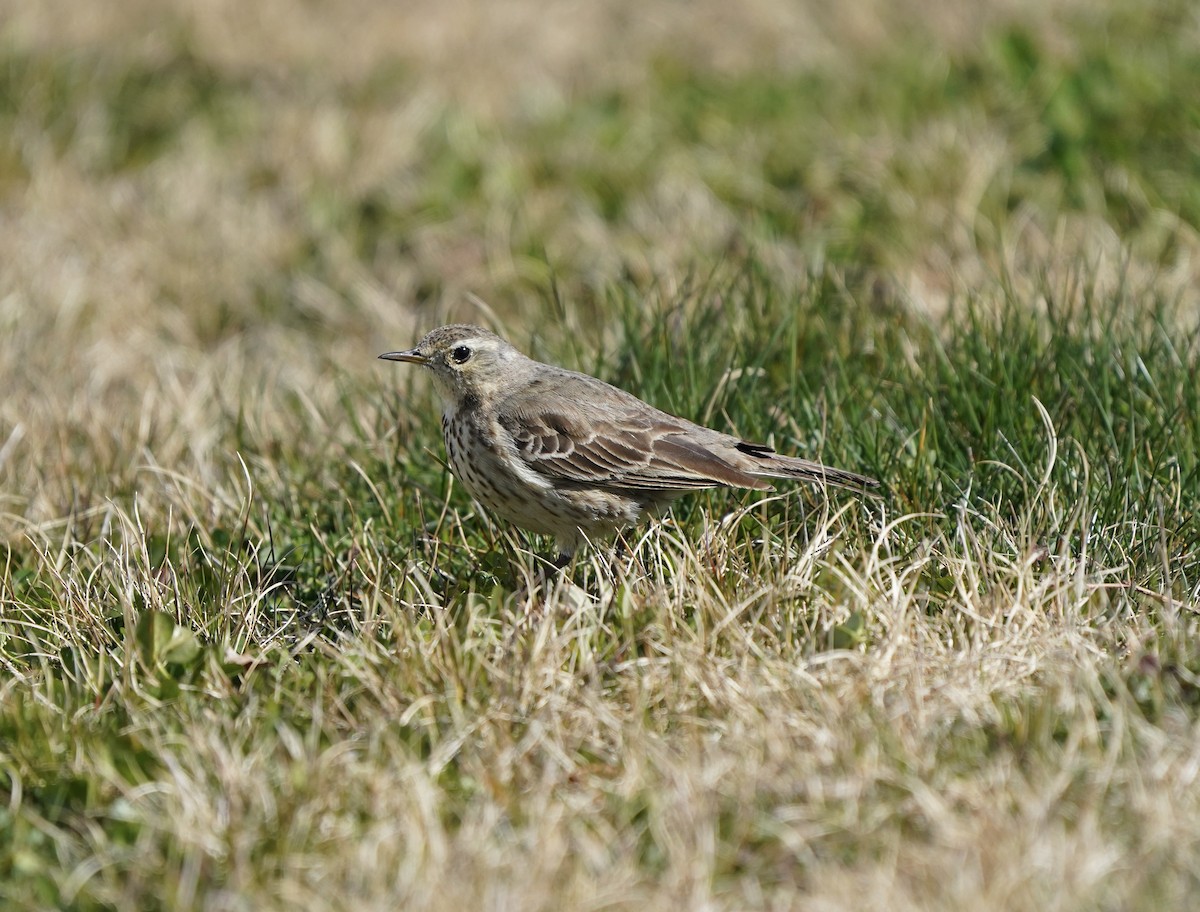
x,y
582,430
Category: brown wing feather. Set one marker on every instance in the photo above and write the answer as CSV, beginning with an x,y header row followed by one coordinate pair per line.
x,y
582,430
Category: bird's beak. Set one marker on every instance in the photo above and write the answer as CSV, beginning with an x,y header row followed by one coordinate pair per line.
x,y
412,356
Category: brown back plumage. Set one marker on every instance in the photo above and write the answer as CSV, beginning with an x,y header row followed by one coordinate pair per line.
x,y
577,428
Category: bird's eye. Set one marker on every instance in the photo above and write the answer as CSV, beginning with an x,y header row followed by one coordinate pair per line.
x,y
460,354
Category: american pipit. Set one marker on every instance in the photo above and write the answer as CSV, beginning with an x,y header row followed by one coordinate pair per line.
x,y
560,453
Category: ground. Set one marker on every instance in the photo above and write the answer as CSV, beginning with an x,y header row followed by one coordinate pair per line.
x,y
261,652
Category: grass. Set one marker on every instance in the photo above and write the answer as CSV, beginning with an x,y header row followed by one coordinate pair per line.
x,y
261,651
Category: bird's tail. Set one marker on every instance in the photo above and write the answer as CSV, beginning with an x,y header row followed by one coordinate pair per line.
x,y
769,464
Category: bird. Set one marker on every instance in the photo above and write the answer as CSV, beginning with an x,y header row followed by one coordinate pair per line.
x,y
561,453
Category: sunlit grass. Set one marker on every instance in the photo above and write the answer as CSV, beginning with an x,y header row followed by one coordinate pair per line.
x,y
260,651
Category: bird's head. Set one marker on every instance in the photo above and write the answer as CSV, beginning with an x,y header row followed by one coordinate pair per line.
x,y
466,361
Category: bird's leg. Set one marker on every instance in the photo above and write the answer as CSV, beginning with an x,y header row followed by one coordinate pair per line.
x,y
567,545
620,549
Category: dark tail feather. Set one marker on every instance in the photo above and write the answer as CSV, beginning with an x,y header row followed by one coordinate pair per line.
x,y
770,464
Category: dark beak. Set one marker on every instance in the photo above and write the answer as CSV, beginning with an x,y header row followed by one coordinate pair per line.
x,y
412,356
